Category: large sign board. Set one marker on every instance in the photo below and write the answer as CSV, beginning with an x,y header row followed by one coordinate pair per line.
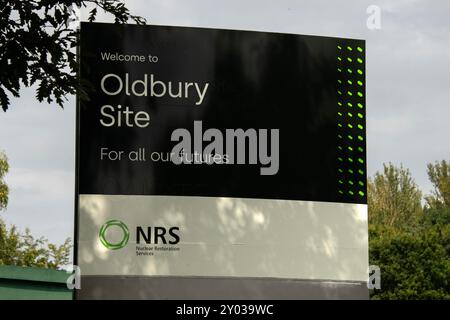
x,y
219,154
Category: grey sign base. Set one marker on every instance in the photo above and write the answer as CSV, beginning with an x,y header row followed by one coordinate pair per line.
x,y
198,288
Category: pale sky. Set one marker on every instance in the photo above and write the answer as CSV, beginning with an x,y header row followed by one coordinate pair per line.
x,y
408,94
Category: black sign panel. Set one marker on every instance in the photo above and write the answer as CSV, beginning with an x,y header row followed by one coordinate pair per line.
x,y
248,114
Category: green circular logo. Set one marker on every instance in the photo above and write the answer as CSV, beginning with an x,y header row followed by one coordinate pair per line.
x,y
114,246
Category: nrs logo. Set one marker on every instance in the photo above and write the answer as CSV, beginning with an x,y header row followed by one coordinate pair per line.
x,y
114,245
147,235
158,235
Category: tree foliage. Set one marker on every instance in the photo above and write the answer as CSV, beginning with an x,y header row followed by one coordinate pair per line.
x,y
394,198
413,254
413,265
439,175
37,46
4,167
22,249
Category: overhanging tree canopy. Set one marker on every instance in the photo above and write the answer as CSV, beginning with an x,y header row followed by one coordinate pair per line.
x,y
36,46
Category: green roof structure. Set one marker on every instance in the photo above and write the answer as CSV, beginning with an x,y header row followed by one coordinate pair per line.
x,y
29,283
